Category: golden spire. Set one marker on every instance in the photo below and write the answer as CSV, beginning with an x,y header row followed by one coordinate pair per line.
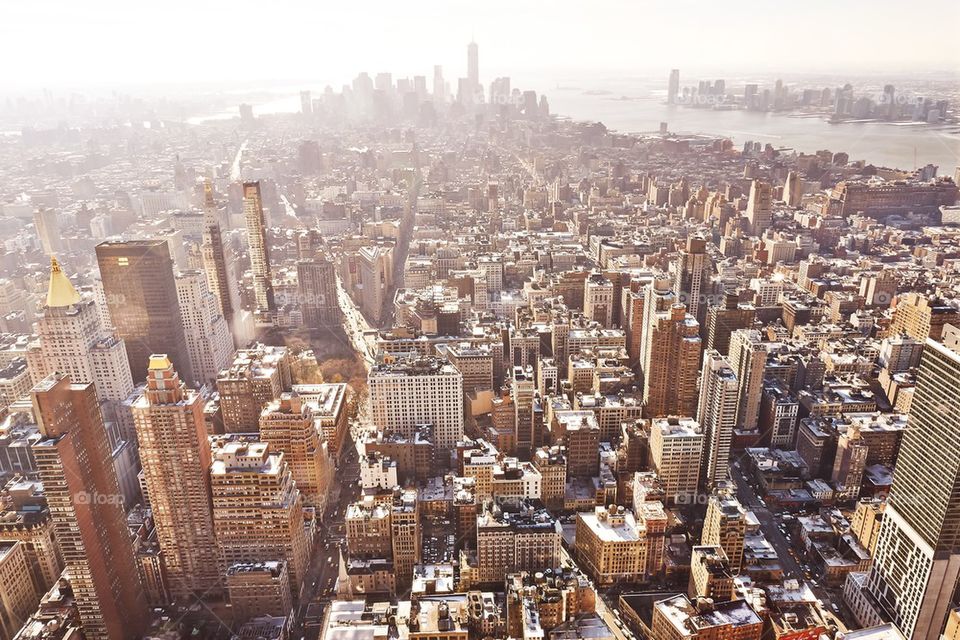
x,y
60,292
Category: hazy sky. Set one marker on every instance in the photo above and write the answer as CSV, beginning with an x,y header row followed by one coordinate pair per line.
x,y
54,43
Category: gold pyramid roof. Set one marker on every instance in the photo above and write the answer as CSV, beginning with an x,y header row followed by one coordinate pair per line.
x,y
61,292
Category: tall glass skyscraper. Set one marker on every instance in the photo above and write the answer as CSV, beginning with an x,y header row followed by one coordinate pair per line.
x,y
913,581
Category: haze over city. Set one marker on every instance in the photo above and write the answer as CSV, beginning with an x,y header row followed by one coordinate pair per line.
x,y
480,321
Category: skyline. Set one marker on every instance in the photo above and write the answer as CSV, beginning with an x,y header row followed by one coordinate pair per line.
x,y
186,45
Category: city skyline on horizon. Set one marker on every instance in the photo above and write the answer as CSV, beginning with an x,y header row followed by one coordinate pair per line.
x,y
615,34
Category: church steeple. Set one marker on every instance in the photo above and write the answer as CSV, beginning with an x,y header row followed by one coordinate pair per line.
x,y
61,292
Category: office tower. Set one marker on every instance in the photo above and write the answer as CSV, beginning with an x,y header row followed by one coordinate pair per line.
x,y
793,190
691,277
74,341
473,67
74,464
722,320
175,455
412,392
748,358
214,258
676,451
256,223
141,294
522,392
257,509
725,525
209,343
611,546
289,426
317,289
306,103
759,207
439,89
256,376
671,354
673,86
914,576
717,415
48,230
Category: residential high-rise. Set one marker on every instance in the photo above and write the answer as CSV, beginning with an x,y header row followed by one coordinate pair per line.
x,y
257,509
759,207
676,451
255,377
141,294
409,393
256,223
209,343
673,86
214,258
671,354
73,462
691,277
717,415
289,425
722,320
748,358
914,577
175,455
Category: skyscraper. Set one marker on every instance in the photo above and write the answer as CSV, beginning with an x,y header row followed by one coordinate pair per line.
x,y
259,252
48,230
141,294
691,273
209,343
748,358
289,425
793,189
673,86
317,288
257,508
473,67
915,573
176,455
73,462
671,353
73,341
717,415
759,211
214,260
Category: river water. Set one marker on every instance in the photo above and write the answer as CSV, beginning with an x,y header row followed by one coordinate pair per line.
x,y
639,106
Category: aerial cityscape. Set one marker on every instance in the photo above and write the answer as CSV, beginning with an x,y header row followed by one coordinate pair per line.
x,y
439,352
